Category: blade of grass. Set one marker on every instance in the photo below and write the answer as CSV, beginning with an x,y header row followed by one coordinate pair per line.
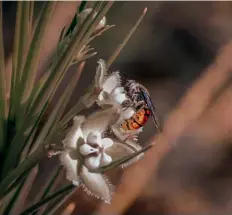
x,y
52,210
29,142
124,42
57,112
121,161
19,202
47,183
16,183
7,199
82,6
74,46
70,89
28,163
49,187
23,45
36,206
19,142
3,101
15,59
51,88
31,12
31,65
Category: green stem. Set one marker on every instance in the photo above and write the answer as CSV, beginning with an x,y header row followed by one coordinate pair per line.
x,y
28,163
36,206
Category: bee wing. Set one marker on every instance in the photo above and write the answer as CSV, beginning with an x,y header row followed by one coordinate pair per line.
x,y
150,105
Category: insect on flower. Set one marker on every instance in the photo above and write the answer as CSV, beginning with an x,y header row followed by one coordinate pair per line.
x,y
139,99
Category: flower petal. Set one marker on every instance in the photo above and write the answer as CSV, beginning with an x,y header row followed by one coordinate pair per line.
x,y
105,159
93,162
101,72
103,98
94,137
100,120
71,166
74,133
86,149
96,184
102,23
107,142
119,98
117,90
122,149
111,82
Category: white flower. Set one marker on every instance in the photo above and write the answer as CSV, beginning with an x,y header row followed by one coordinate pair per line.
x,y
94,150
106,89
113,97
76,143
112,93
86,12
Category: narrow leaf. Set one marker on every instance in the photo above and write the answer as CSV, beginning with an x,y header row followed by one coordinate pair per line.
x,y
22,52
3,101
19,142
49,186
31,65
36,206
15,59
52,210
82,6
128,36
19,202
75,45
28,163
31,13
56,114
7,199
121,161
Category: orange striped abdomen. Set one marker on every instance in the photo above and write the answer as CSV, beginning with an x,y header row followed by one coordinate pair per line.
x,y
137,120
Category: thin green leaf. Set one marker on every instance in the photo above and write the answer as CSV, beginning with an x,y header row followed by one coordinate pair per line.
x,y
19,142
75,45
3,101
29,141
124,42
16,183
7,200
31,65
100,32
121,161
38,87
22,52
31,12
49,186
57,112
15,57
77,108
28,163
20,199
52,210
36,206
68,93
51,182
82,6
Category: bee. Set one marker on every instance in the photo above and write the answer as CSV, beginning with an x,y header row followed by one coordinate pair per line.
x,y
139,99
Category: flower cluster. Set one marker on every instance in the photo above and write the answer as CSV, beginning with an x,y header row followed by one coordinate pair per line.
x,y
88,145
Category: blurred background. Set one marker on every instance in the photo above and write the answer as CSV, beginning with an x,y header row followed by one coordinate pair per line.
x,y
174,43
